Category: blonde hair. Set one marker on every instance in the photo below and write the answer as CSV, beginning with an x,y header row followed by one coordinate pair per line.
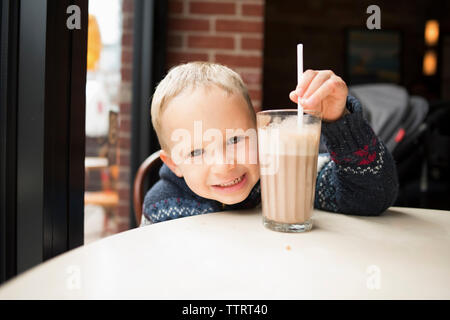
x,y
191,76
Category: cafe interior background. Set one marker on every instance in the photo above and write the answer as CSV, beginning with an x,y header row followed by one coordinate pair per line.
x,y
131,44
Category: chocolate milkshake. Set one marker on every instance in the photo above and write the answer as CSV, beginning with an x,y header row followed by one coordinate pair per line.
x,y
288,161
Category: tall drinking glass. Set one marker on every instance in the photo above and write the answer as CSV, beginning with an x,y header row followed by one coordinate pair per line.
x,y
288,153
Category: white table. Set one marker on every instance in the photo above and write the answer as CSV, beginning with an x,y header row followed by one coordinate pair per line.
x,y
405,254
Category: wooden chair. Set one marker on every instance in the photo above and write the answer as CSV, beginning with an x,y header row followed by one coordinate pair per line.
x,y
149,167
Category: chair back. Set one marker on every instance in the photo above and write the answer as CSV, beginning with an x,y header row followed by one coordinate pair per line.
x,y
150,167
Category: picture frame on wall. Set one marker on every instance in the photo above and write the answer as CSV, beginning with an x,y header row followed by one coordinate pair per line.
x,y
373,56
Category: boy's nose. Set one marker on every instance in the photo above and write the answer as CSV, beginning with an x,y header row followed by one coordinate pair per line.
x,y
223,169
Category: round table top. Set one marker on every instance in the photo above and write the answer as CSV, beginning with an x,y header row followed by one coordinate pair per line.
x,y
402,254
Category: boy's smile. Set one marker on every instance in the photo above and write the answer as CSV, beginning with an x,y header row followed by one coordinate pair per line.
x,y
232,185
216,166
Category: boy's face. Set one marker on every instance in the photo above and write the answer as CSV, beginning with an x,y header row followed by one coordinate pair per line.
x,y
212,141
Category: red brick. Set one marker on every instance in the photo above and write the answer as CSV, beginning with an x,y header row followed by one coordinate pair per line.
x,y
123,211
125,108
127,39
252,43
125,143
124,152
127,74
124,160
175,6
127,56
125,125
181,24
127,22
212,7
239,60
124,117
175,41
123,226
127,6
181,57
255,95
127,67
124,194
251,77
239,26
124,176
211,42
256,10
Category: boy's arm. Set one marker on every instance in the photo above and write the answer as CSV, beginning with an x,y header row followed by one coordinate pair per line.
x,y
361,176
164,201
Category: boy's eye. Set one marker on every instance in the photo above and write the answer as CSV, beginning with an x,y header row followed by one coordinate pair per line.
x,y
235,139
196,152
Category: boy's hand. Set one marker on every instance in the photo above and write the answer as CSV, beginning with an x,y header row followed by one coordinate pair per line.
x,y
324,91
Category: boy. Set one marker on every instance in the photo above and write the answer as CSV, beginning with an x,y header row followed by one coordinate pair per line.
x,y
358,176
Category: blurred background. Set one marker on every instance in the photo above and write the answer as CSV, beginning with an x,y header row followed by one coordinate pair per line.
x,y
400,72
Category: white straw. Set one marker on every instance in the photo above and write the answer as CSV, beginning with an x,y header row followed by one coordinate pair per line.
x,y
299,77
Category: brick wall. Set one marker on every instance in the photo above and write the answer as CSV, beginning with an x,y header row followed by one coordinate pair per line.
x,y
229,32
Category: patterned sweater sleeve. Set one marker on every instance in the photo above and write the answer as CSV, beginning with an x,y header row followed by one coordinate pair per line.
x,y
165,201
360,178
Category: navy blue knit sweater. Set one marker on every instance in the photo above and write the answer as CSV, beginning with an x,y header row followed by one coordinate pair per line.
x,y
358,176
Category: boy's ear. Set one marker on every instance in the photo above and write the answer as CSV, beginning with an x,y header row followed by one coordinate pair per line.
x,y
165,157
